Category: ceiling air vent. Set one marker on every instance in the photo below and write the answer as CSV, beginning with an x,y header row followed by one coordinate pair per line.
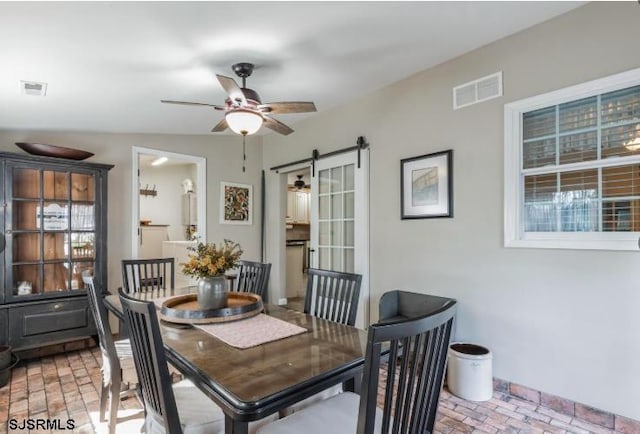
x,y
476,91
34,88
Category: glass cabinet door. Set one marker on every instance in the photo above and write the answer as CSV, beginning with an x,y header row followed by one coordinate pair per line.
x,y
50,230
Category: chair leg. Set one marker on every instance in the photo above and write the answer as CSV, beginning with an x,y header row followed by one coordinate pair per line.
x,y
104,395
114,402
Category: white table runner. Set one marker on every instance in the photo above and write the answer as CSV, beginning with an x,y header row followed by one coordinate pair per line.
x,y
251,332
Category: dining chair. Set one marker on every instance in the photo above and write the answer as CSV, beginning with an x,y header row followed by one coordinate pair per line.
x,y
253,277
147,274
117,362
169,408
332,295
179,408
400,305
411,385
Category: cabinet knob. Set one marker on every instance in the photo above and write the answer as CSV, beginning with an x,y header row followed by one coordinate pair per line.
x,y
56,306
8,232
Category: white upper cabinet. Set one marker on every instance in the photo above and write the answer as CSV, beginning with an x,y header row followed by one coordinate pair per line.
x,y
298,207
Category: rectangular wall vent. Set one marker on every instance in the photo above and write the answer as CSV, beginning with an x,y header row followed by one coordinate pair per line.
x,y
476,91
34,88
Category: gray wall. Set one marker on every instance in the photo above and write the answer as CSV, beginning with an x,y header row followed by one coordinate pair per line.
x,y
224,163
565,322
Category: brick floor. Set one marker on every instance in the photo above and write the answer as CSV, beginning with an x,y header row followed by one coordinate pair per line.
x,y
66,386
63,387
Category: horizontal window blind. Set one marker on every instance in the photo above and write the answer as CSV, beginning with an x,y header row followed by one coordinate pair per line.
x,y
580,171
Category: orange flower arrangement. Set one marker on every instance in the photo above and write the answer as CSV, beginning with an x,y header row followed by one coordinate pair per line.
x,y
210,260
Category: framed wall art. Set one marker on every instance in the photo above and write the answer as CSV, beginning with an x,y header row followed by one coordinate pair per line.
x,y
426,186
236,202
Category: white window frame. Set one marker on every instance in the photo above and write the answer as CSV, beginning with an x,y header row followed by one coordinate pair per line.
x,y
514,234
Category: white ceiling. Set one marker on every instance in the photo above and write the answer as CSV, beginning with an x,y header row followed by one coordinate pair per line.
x,y
108,64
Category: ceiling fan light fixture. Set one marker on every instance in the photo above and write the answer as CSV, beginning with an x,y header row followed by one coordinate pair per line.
x,y
244,111
245,122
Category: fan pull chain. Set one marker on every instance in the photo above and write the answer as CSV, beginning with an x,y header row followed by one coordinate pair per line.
x,y
244,154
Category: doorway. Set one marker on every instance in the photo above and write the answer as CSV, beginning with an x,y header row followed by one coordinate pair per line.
x,y
297,235
169,203
338,221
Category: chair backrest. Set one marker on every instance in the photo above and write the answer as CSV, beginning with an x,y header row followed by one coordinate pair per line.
x,y
151,363
332,295
399,305
147,274
110,361
253,277
413,381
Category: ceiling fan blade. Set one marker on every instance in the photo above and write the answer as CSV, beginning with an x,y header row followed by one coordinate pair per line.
x,y
233,90
217,107
288,107
277,126
220,126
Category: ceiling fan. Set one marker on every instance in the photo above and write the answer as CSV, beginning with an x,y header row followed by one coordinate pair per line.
x,y
299,183
244,111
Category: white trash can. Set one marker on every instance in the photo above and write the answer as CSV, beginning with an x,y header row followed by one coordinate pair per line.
x,y
470,372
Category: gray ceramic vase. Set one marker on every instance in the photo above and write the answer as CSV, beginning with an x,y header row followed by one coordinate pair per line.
x,y
212,292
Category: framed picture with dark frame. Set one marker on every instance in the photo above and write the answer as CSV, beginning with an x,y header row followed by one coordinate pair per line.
x,y
426,186
236,202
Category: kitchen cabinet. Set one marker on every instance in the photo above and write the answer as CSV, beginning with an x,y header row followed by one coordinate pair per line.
x,y
179,251
53,230
291,208
151,239
298,203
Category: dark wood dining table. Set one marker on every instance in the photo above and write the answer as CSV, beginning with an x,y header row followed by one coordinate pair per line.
x,y
250,384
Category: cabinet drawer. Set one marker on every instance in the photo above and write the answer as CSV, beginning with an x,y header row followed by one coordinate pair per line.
x,y
4,326
46,323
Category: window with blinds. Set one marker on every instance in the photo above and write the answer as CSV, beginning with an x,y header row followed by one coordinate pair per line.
x,y
578,167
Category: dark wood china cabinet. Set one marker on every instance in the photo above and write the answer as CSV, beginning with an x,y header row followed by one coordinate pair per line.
x,y
53,229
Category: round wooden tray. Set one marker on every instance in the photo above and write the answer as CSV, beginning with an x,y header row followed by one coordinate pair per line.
x,y
184,309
